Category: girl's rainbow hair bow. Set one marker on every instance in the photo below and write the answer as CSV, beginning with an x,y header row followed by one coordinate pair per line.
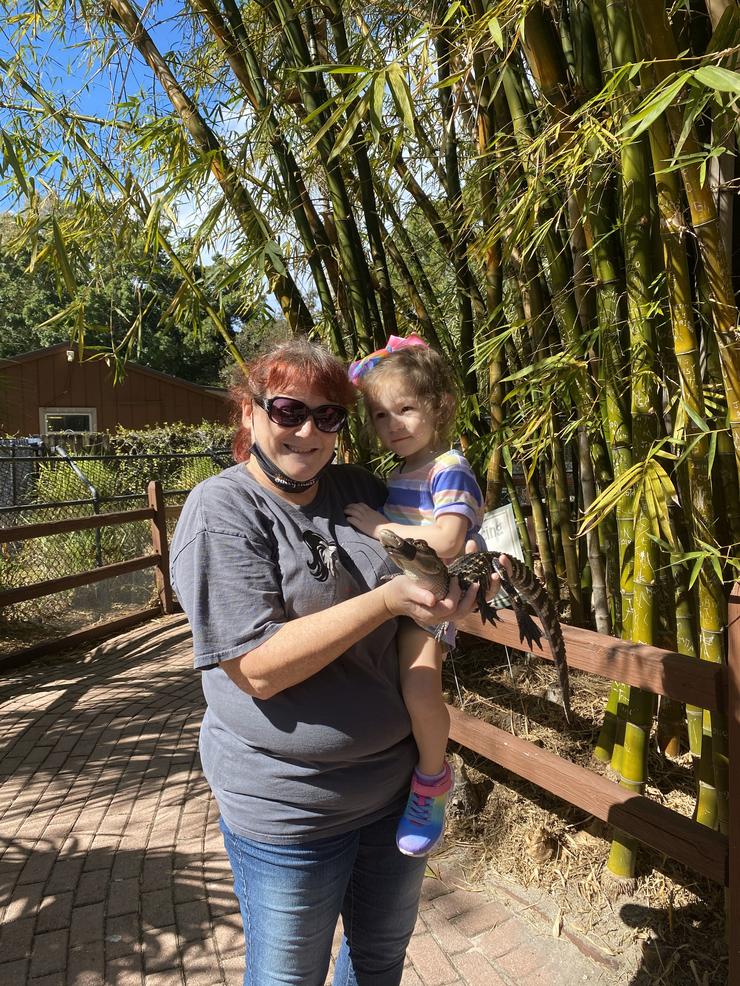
x,y
361,367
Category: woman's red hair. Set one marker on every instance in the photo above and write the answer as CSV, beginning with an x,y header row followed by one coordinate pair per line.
x,y
296,365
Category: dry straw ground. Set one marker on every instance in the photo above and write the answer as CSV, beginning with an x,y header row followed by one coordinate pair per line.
x,y
671,927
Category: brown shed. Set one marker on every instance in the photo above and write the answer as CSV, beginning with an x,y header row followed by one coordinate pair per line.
x,y
50,390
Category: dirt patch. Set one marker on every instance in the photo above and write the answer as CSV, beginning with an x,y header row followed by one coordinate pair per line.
x,y
670,928
51,617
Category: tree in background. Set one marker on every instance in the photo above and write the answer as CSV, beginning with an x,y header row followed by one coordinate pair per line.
x,y
129,302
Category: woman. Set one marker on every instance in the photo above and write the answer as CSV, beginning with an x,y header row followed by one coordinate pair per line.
x,y
306,741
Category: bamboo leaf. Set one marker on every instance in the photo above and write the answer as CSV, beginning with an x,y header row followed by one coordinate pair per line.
x,y
70,311
654,106
11,158
695,108
645,503
608,499
715,563
720,79
376,103
659,473
401,96
496,33
712,451
452,10
347,96
332,68
348,130
310,117
695,417
727,32
63,258
696,571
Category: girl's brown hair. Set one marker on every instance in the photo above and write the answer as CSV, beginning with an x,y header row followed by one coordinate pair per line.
x,y
426,375
291,365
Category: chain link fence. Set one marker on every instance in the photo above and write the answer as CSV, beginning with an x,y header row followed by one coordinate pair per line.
x,y
41,483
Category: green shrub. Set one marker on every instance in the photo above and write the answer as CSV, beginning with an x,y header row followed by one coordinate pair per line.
x,y
194,471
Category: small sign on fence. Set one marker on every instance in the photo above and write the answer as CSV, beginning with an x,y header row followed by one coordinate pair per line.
x,y
499,532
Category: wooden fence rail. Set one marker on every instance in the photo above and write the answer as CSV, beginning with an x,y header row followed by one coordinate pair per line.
x,y
685,679
676,676
158,559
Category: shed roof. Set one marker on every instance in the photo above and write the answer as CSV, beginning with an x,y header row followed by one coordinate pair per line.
x,y
130,365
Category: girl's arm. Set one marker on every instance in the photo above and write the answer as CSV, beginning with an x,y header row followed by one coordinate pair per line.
x,y
446,535
305,645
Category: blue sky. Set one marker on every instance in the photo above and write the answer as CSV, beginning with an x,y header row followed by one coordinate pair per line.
x,y
64,65
59,60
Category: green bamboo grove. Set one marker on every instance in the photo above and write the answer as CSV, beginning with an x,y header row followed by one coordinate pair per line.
x,y
544,191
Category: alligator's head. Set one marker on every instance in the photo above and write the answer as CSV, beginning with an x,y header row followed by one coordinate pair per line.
x,y
412,555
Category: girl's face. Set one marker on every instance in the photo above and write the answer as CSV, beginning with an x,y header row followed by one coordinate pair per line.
x,y
402,422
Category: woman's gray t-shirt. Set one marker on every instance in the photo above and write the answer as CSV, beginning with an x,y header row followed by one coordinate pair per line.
x,y
334,751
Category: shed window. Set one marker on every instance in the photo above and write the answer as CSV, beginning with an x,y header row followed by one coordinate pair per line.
x,y
74,419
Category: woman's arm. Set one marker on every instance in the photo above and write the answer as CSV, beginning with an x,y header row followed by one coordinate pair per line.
x,y
446,535
304,646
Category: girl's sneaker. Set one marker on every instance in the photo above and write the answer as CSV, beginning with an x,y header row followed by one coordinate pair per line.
x,y
422,823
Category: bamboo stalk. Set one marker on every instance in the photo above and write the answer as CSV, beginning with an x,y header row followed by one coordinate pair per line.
x,y
367,190
235,43
460,235
252,222
710,595
519,519
635,199
445,342
245,64
356,275
633,765
651,16
541,535
494,280
565,527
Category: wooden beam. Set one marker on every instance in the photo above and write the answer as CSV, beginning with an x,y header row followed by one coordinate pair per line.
x,y
25,531
733,740
703,850
38,589
173,510
159,544
663,672
78,638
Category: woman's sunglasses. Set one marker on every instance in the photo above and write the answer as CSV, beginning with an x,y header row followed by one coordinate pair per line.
x,y
290,413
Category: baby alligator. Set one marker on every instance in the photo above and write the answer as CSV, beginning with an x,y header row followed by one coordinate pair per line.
x,y
422,564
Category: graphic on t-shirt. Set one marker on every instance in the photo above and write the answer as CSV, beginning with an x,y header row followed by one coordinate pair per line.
x,y
323,556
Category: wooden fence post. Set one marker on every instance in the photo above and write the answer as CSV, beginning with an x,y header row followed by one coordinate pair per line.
x,y
733,739
159,543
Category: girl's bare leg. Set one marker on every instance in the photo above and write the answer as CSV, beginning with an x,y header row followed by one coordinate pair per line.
x,y
420,658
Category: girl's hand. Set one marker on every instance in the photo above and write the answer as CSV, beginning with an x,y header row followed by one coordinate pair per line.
x,y
365,519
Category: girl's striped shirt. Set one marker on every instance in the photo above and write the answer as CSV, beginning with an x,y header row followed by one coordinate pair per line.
x,y
446,484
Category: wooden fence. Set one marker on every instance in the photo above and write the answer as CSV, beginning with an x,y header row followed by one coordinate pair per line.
x,y
156,513
676,676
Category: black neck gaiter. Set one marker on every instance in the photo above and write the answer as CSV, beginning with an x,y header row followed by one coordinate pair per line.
x,y
279,478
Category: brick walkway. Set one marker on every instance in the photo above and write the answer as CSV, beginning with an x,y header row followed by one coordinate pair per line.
x,y
112,869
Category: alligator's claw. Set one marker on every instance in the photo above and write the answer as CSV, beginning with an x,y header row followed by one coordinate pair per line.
x,y
528,629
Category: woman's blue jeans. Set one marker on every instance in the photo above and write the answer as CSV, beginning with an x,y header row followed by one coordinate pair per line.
x,y
291,897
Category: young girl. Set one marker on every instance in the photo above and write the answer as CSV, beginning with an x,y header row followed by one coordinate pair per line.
x,y
410,396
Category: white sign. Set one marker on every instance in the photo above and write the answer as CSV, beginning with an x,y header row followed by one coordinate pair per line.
x,y
500,534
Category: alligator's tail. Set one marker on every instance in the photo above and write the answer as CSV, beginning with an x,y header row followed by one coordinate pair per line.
x,y
528,585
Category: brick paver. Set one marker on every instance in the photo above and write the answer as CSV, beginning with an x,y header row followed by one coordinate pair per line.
x,y
112,869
